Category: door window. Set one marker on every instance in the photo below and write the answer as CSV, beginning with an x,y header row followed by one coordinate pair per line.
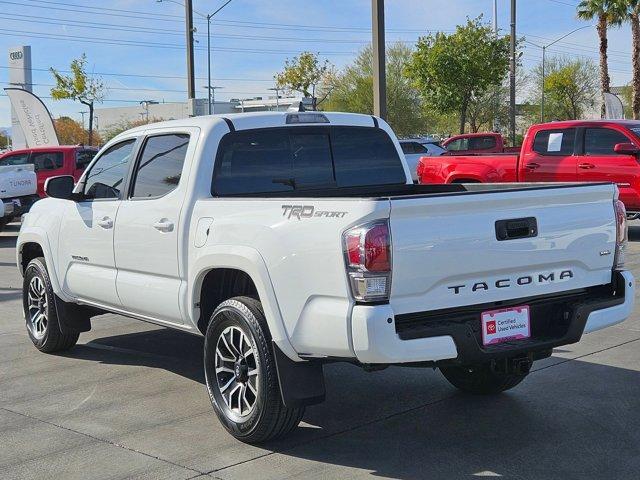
x,y
558,142
106,177
84,157
160,166
17,159
43,161
600,141
482,143
458,145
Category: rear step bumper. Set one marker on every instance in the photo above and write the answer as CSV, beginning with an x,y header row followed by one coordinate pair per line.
x,y
453,336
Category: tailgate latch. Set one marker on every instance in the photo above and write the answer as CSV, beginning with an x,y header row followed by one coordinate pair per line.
x,y
513,228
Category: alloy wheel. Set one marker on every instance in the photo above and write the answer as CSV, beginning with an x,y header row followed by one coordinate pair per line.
x,y
37,305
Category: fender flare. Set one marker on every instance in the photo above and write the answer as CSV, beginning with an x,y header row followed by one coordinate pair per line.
x,y
39,235
249,261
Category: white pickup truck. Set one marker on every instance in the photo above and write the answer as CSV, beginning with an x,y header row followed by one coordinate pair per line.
x,y
18,186
289,240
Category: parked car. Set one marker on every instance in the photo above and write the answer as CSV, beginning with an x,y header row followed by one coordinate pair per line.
x,y
571,151
17,191
477,143
415,148
289,240
52,161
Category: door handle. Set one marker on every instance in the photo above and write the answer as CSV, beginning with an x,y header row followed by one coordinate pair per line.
x,y
532,166
586,166
105,222
163,225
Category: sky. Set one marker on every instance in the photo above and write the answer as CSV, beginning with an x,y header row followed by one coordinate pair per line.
x,y
137,46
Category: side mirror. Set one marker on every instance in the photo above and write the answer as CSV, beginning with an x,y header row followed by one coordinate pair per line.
x,y
626,149
59,187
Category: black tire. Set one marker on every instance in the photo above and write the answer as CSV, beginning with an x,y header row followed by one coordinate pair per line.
x,y
481,379
267,418
44,333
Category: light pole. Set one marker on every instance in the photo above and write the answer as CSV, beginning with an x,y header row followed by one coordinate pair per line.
x,y
276,89
379,71
208,17
544,51
145,104
212,95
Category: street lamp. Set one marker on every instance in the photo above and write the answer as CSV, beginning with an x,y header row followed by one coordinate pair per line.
x,y
208,17
544,50
277,90
145,104
212,94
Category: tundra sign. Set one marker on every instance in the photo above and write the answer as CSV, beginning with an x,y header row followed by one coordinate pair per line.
x,y
33,117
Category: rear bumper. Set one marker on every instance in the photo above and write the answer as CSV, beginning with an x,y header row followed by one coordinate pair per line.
x,y
453,336
14,207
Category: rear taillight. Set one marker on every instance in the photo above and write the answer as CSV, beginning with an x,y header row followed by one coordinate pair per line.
x,y
368,257
621,234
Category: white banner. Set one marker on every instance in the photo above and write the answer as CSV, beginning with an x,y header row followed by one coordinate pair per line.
x,y
613,107
34,118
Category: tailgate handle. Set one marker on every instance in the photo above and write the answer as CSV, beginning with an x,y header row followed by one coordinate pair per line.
x,y
513,228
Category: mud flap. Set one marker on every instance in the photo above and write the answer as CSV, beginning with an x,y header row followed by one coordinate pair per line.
x,y
301,383
74,318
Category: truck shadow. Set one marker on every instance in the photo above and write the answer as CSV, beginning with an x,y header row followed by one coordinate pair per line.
x,y
573,420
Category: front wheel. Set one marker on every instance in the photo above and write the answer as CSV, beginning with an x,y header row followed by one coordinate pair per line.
x,y
40,310
481,379
241,375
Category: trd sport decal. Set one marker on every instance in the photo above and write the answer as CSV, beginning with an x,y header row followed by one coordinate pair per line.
x,y
308,211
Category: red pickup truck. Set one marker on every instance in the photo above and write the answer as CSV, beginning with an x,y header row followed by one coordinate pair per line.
x,y
52,161
570,151
477,143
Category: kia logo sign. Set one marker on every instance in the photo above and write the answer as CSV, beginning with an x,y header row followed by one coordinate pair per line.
x,y
15,55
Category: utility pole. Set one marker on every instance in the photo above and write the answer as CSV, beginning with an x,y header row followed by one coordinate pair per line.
x,y
191,81
495,17
379,72
512,77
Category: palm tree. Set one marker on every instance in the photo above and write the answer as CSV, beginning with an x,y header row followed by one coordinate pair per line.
x,y
607,12
630,12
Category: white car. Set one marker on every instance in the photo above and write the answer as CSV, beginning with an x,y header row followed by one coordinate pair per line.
x,y
414,149
273,237
18,186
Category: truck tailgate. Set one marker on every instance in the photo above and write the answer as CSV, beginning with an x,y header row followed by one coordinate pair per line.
x,y
446,252
17,181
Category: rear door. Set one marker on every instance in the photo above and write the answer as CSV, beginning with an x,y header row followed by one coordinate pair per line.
x,y
599,163
551,158
148,228
47,163
86,257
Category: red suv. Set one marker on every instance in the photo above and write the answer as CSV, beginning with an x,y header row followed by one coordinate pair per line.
x,y
52,161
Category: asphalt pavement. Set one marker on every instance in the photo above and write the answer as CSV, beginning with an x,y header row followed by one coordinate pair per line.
x,y
129,402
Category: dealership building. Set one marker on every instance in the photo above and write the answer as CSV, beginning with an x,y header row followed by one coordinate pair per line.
x,y
107,118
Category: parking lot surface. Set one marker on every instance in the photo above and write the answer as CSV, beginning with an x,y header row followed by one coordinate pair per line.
x,y
129,402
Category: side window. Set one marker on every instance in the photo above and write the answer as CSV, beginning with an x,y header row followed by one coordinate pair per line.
x,y
557,142
43,161
84,157
419,148
106,177
482,143
160,166
407,147
17,159
458,145
600,141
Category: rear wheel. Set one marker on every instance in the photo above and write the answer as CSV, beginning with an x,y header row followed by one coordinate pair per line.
x,y
40,311
241,375
481,379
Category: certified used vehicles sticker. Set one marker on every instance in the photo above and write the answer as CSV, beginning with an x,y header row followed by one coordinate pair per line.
x,y
308,211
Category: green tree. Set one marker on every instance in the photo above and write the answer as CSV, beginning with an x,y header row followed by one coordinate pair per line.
x,y
607,12
450,71
4,141
353,90
80,87
308,75
570,87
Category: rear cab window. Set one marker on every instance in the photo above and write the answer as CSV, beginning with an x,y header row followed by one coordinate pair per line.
x,y
84,157
555,142
289,159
